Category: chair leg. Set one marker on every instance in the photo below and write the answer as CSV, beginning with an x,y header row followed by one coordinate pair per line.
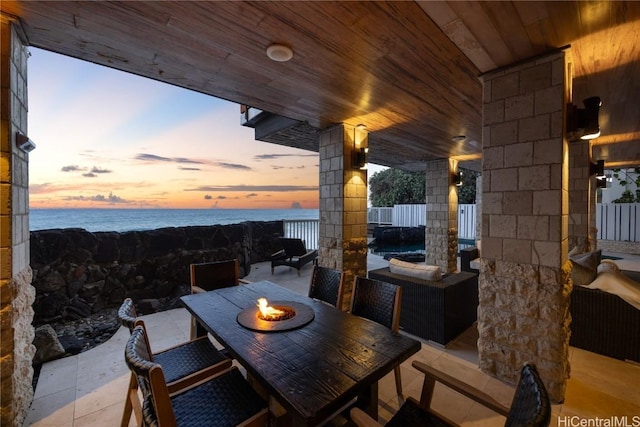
x,y
132,404
396,372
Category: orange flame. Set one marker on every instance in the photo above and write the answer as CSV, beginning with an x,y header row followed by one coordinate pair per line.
x,y
267,311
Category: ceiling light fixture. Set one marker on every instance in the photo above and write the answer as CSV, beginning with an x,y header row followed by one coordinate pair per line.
x,y
459,138
279,52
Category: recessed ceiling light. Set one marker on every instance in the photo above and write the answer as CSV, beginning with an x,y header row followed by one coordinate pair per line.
x,y
279,52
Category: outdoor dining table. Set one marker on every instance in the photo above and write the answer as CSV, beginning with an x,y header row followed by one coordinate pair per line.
x,y
312,370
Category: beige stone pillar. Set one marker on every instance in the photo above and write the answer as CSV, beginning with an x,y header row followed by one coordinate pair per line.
x,y
16,293
441,227
582,194
524,283
343,204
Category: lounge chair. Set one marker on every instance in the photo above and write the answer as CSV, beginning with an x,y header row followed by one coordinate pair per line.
x,y
293,254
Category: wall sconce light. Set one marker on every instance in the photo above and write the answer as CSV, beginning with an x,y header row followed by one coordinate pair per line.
x,y
24,143
597,169
360,148
583,122
456,179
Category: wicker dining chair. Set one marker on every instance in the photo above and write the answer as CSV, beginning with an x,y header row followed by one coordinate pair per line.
x,y
378,301
530,406
184,364
226,399
208,276
327,285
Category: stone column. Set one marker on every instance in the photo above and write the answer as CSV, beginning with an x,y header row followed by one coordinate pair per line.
x,y
524,283
441,230
16,293
343,204
582,193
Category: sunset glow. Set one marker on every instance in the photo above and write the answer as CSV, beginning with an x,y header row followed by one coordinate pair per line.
x,y
108,139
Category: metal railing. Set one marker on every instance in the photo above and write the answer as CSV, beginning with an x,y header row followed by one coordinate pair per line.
x,y
306,229
380,216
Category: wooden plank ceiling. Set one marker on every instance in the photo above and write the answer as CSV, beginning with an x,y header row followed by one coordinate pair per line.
x,y
407,70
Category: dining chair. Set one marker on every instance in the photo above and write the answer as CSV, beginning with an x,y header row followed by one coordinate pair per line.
x,y
208,276
378,301
184,364
225,399
530,406
327,285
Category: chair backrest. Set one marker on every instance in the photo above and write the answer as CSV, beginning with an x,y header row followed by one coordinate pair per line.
x,y
215,275
127,315
378,301
156,408
327,285
293,247
530,406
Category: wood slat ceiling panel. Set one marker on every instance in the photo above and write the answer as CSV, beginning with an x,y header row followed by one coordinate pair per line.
x,y
408,70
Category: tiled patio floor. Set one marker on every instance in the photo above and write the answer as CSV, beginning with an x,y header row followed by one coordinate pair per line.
x,y
89,389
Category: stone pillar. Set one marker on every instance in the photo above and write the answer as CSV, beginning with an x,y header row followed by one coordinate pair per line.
x,y
343,204
524,283
441,230
582,193
16,293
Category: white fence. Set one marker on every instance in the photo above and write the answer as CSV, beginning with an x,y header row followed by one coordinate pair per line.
x,y
618,221
416,215
615,221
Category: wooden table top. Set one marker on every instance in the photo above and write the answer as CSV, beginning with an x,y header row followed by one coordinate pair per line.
x,y
314,370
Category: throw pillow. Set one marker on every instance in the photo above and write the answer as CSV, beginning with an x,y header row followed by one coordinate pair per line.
x,y
608,266
585,267
419,271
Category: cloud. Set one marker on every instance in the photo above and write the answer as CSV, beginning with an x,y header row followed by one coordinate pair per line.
x,y
296,205
98,170
111,199
72,168
232,166
251,195
89,175
207,197
146,157
182,168
279,156
253,188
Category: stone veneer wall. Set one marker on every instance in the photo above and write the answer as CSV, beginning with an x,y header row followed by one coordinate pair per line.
x,y
441,227
479,208
16,292
78,273
343,205
581,196
524,283
619,247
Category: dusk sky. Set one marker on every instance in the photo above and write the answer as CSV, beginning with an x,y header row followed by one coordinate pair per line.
x,y
109,139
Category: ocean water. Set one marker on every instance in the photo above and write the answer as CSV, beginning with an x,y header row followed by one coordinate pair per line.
x,y
148,219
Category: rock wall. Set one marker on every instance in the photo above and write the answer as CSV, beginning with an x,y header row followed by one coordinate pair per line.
x,y
80,275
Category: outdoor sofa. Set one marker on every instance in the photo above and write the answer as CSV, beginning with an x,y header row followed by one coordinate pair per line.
x,y
604,323
435,310
601,322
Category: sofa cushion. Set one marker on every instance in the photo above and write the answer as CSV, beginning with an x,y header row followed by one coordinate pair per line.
x,y
618,284
585,267
420,271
